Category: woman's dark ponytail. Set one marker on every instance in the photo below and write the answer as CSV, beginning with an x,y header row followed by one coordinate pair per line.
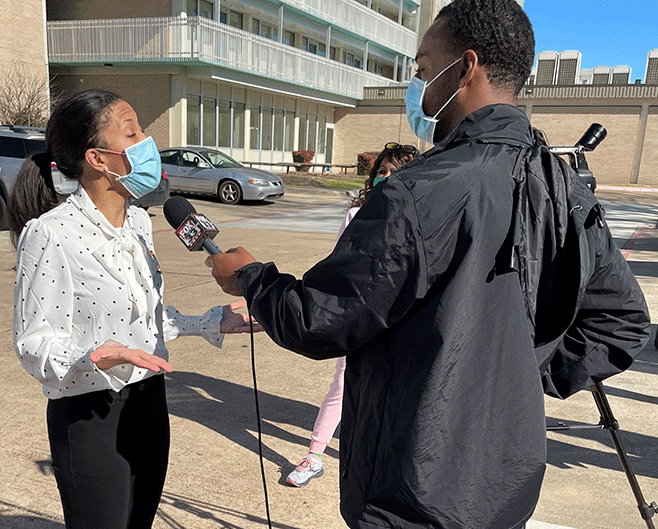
x,y
33,193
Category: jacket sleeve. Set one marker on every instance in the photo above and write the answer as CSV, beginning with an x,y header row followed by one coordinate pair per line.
x,y
375,273
611,326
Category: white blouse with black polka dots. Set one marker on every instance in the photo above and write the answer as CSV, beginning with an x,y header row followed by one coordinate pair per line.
x,y
69,298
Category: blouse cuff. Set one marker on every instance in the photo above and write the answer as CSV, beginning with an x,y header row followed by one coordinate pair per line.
x,y
207,326
118,376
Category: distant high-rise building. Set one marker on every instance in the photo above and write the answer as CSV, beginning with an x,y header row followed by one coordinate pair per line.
x,y
568,67
586,75
547,63
621,75
651,74
601,75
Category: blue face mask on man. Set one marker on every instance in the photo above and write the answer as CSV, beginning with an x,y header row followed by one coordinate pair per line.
x,y
421,125
146,165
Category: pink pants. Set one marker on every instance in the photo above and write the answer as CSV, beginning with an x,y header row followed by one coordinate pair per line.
x,y
330,411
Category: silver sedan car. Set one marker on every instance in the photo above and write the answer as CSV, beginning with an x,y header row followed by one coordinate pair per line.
x,y
207,171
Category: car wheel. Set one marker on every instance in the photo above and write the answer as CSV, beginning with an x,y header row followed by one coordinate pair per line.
x,y
4,215
229,192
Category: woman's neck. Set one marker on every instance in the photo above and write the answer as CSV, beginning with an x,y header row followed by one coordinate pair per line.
x,y
107,200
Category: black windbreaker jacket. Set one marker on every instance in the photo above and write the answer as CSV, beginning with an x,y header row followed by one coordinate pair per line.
x,y
443,420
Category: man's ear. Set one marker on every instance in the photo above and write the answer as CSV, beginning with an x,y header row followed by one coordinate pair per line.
x,y
469,64
95,159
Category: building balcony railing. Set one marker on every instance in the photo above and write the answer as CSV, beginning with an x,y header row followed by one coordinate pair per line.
x,y
361,20
198,40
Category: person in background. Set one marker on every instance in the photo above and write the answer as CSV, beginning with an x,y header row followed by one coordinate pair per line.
x,y
88,318
391,158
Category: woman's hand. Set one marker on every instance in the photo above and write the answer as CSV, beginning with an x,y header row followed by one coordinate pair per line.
x,y
235,322
113,353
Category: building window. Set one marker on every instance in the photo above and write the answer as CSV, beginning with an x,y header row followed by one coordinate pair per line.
x,y
348,58
238,125
311,145
264,30
278,129
209,131
288,37
267,128
313,46
290,131
193,120
333,53
224,108
254,128
235,19
202,8
322,135
303,118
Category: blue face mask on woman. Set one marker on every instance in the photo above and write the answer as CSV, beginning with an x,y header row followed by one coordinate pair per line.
x,y
421,125
146,171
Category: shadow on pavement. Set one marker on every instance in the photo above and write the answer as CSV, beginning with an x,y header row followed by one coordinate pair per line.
x,y
642,450
28,519
207,511
229,409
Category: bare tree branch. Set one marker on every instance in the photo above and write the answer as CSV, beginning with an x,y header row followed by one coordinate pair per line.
x,y
24,97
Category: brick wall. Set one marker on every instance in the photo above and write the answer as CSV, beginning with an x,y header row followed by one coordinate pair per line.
x,y
150,96
22,37
368,128
612,161
648,175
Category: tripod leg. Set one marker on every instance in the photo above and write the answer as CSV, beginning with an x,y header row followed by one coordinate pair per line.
x,y
609,422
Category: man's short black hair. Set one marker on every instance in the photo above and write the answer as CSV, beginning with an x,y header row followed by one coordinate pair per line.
x,y
500,32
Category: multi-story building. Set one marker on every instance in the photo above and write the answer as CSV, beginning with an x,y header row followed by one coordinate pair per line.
x,y
568,67
651,74
601,75
620,75
586,76
257,79
547,66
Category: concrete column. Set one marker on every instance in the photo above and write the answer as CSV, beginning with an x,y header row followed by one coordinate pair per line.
x,y
216,10
178,111
395,67
247,125
639,143
328,41
281,10
400,10
366,51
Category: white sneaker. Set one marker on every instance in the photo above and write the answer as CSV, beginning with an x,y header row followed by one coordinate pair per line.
x,y
308,468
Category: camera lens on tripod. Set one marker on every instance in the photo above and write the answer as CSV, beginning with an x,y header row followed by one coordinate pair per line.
x,y
594,135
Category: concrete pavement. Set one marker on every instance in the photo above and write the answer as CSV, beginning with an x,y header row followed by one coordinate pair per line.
x,y
214,476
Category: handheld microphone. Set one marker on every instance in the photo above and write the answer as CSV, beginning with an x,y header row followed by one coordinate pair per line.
x,y
195,230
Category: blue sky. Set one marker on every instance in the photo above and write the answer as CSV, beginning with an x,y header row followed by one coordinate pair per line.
x,y
606,32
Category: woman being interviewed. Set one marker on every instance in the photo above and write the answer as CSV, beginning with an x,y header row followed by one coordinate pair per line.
x,y
88,316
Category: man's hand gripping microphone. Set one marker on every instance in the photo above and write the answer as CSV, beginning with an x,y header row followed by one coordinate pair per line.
x,y
196,231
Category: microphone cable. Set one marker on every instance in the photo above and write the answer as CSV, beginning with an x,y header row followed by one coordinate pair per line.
x,y
260,433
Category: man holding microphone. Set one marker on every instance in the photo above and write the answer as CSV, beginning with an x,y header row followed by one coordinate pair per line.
x,y
443,418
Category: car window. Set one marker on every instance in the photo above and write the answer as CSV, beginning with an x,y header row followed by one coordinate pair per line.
x,y
34,146
219,159
11,147
170,157
190,159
